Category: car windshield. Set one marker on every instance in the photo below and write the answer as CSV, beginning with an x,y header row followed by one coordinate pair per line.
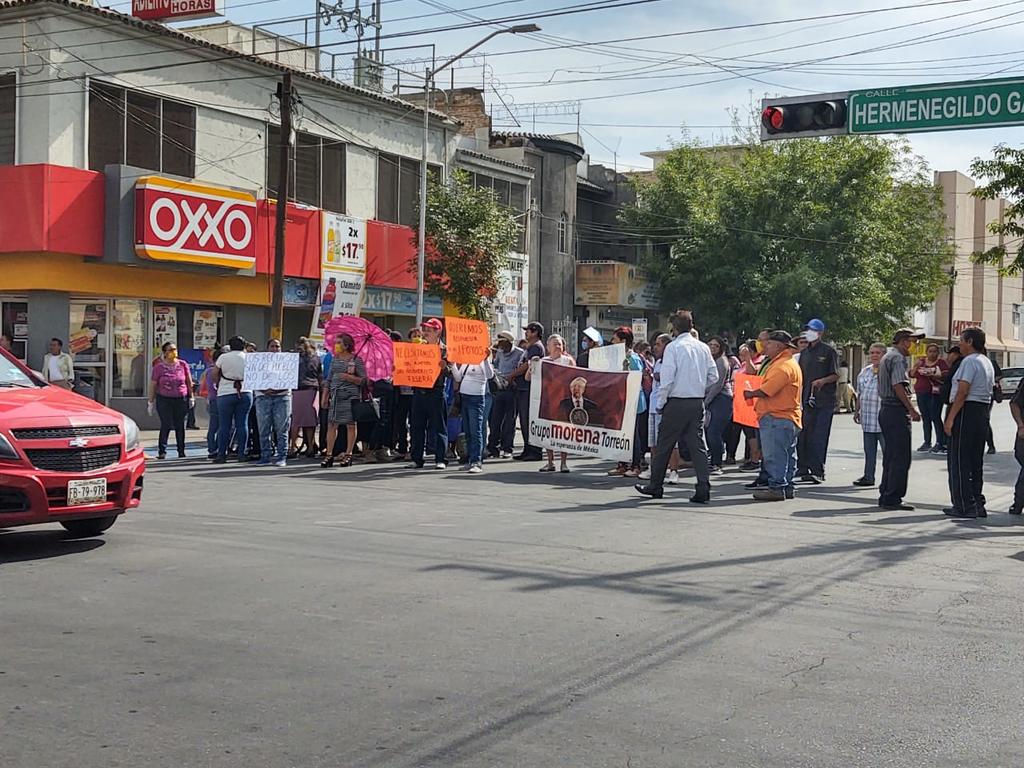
x,y
12,376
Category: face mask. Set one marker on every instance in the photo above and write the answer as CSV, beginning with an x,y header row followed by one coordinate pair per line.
x,y
337,349
812,336
171,356
759,346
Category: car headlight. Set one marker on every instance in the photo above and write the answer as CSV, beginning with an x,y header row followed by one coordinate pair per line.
x,y
7,450
131,434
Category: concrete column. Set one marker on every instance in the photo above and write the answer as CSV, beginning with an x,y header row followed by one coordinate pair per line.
x,y
48,317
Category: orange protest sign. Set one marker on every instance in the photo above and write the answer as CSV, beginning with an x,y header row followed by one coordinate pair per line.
x,y
416,365
743,409
469,341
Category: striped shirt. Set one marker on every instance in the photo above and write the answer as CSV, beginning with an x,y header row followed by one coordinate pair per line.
x,y
867,396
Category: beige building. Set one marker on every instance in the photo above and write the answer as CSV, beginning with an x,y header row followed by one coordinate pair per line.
x,y
981,297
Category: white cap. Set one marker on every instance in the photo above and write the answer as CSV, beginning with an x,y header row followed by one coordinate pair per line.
x,y
593,334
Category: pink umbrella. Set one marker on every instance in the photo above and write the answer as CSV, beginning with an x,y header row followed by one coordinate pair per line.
x,y
372,344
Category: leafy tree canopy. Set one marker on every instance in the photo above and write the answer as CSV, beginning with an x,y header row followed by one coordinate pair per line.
x,y
1005,174
848,229
469,237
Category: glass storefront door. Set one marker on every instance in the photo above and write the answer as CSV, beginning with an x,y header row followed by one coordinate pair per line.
x,y
89,344
14,325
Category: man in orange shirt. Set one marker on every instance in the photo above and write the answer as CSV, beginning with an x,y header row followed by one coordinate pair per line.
x,y
778,413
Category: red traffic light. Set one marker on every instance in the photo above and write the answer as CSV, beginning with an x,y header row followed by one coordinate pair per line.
x,y
773,119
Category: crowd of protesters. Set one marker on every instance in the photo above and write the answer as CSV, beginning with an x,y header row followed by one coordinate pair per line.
x,y
471,413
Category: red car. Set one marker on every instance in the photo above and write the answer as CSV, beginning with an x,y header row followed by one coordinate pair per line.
x,y
63,458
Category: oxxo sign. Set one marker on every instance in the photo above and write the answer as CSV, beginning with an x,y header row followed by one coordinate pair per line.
x,y
194,224
176,10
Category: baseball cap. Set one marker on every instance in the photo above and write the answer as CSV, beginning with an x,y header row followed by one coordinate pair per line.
x,y
535,327
782,337
815,325
593,334
907,333
433,323
506,336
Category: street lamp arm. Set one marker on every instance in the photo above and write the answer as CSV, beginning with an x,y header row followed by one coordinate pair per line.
x,y
520,29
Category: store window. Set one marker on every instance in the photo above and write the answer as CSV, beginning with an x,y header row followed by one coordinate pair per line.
x,y
138,129
14,325
318,170
88,344
8,121
398,188
129,332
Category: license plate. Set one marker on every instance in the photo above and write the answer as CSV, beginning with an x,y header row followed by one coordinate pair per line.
x,y
86,491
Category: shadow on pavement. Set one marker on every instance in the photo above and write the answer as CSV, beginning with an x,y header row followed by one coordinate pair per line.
x,y
23,547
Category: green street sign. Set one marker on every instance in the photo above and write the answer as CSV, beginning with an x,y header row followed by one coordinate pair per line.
x,y
937,107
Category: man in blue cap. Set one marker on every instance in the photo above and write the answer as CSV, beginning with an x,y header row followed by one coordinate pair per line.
x,y
820,366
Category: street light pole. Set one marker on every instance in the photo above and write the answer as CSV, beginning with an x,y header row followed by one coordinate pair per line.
x,y
428,89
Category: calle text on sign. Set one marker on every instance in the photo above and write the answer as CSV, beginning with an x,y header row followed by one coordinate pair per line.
x,y
938,107
176,10
194,223
416,365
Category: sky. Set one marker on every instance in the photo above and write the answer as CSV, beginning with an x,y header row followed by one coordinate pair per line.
x,y
666,65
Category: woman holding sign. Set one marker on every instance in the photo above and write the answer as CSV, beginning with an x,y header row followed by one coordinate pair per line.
x,y
346,381
556,354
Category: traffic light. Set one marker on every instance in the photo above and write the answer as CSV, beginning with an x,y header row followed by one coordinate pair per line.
x,y
792,118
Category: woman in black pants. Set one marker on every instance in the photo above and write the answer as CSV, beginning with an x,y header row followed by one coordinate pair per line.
x,y
170,395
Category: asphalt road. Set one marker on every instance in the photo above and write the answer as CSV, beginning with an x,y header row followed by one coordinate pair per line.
x,y
377,617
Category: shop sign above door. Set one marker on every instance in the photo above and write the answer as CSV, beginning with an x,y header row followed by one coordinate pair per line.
x,y
176,10
193,223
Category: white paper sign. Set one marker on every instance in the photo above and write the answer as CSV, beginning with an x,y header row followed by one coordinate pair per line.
x,y
204,328
271,370
344,245
611,357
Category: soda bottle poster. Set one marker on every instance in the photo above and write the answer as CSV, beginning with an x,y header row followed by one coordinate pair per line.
x,y
341,293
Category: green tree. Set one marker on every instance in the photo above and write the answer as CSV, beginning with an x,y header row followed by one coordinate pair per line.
x,y
469,237
769,235
1005,175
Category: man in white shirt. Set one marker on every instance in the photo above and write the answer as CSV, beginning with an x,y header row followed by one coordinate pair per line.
x,y
687,371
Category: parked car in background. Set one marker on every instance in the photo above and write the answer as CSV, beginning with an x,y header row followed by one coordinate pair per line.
x,y
63,458
1011,380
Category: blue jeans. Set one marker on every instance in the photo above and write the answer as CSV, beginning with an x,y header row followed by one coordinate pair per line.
x,y
871,442
211,430
274,415
233,413
473,423
720,410
429,425
778,445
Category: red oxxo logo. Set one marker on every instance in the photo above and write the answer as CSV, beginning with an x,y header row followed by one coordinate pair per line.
x,y
194,223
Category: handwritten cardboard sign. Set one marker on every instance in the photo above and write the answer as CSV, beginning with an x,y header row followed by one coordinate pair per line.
x,y
610,358
416,365
743,409
271,370
469,341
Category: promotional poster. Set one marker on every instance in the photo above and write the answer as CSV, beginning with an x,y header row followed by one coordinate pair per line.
x,y
584,412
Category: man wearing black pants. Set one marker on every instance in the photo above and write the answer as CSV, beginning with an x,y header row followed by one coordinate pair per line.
x,y
1017,409
502,428
535,350
967,424
894,418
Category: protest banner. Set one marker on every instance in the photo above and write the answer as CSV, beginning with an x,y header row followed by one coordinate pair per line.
x,y
743,409
610,357
584,412
271,370
416,365
469,341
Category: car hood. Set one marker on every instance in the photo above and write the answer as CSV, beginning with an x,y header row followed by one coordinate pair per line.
x,y
54,407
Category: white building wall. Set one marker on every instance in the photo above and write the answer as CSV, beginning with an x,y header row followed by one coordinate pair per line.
x,y
234,100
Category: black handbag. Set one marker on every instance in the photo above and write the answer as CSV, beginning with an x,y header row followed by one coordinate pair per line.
x,y
499,383
365,408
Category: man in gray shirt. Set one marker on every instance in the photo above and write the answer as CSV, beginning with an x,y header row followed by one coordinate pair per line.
x,y
967,424
507,358
894,418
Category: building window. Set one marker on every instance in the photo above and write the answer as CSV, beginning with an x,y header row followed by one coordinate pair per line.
x,y
130,374
1016,322
398,188
8,125
563,233
134,128
317,173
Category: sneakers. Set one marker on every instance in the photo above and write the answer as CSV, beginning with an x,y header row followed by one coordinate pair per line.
x,y
414,465
645,475
475,469
750,466
281,463
770,494
758,483
506,454
863,482
812,479
264,462
440,465
716,470
925,448
938,449
673,478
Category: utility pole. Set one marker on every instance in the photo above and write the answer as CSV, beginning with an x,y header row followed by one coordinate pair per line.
x,y
952,287
285,97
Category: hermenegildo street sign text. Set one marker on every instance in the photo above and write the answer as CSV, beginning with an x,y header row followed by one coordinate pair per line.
x,y
942,107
